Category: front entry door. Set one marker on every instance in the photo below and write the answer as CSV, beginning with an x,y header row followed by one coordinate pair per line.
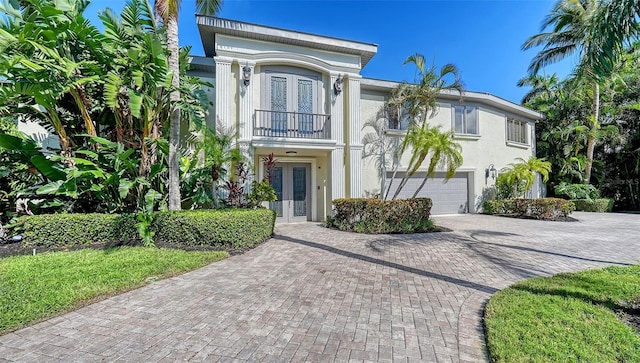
x,y
291,183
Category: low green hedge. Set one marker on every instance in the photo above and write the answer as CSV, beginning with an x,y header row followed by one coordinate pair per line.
x,y
602,205
376,216
226,228
542,208
47,230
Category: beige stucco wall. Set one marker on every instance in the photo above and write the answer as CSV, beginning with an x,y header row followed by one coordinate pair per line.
x,y
490,147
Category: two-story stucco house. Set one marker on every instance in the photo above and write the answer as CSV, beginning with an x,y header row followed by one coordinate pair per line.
x,y
301,97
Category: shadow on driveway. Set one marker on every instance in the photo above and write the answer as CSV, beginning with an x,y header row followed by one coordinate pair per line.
x,y
433,275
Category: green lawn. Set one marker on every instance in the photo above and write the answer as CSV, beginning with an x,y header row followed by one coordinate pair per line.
x,y
565,318
36,287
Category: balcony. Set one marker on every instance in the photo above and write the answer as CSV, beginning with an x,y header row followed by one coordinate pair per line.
x,y
295,125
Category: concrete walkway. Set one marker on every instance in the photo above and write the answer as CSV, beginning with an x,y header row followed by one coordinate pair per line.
x,y
317,295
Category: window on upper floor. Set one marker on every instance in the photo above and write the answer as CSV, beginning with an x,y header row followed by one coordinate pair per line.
x,y
465,120
398,118
517,131
291,100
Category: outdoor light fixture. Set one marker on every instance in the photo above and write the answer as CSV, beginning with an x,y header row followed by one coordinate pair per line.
x,y
291,152
490,171
246,75
337,85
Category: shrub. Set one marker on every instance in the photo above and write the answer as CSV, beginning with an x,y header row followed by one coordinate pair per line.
x,y
49,230
542,208
602,205
577,191
376,216
225,228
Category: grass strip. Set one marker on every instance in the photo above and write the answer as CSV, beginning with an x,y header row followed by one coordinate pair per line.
x,y
565,318
33,288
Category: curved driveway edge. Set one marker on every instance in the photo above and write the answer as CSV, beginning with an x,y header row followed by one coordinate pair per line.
x,y
316,295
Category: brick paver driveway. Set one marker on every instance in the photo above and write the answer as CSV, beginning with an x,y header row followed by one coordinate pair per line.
x,y
312,294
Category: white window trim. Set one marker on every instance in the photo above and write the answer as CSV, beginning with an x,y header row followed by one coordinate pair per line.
x,y
525,145
292,74
463,135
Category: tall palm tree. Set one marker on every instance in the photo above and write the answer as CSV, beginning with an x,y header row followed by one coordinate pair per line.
x,y
419,100
572,24
168,10
617,23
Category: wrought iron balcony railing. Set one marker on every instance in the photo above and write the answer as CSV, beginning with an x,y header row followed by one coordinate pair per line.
x,y
291,124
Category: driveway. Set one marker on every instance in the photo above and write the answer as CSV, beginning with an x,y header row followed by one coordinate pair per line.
x,y
318,295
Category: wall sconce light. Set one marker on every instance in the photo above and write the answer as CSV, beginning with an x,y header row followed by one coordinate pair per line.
x,y
337,85
246,75
490,172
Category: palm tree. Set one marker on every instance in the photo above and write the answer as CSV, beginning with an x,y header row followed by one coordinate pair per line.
x,y
444,150
524,170
439,145
616,23
419,100
168,10
572,24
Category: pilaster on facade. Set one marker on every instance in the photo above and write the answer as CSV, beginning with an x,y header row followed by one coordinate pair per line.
x,y
337,173
354,146
354,111
355,166
337,112
223,99
245,127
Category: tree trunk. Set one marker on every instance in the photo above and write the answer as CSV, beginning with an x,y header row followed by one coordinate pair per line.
x,y
591,142
395,171
424,181
174,125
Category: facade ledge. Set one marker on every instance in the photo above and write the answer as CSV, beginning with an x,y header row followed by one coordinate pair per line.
x,y
468,137
292,143
518,145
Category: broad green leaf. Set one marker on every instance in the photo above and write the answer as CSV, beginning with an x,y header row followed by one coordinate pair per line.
x,y
52,170
51,188
135,102
124,187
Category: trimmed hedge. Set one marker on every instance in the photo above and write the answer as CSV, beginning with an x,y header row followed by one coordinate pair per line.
x,y
602,205
365,215
226,228
542,208
47,230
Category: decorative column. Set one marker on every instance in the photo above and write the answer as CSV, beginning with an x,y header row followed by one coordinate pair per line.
x,y
338,182
223,91
355,139
245,122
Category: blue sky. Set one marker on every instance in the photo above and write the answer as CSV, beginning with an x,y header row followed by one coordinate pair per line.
x,y
482,37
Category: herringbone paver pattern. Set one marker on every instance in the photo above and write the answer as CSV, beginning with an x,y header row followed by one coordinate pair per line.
x,y
317,295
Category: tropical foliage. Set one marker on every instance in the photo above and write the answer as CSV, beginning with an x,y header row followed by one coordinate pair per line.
x,y
590,133
107,97
417,102
522,175
167,11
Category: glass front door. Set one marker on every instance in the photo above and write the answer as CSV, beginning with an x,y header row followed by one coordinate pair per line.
x,y
291,183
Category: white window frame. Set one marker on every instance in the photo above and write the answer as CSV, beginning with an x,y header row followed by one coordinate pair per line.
x,y
403,122
292,76
525,128
464,109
